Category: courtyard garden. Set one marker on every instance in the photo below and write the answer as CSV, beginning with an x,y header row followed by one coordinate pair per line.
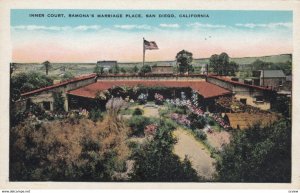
x,y
145,135
199,136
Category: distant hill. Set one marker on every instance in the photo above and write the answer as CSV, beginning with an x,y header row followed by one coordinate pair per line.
x,y
282,58
58,69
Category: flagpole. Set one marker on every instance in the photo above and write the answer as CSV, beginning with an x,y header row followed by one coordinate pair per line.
x,y
143,51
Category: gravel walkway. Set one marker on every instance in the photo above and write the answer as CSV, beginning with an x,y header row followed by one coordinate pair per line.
x,y
196,152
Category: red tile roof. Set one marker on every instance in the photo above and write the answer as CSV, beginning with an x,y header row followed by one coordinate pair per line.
x,y
78,78
207,90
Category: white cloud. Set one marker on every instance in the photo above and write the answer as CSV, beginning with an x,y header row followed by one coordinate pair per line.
x,y
56,28
268,25
205,25
174,25
87,27
129,27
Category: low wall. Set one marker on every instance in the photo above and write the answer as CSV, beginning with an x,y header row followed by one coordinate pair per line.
x,y
152,77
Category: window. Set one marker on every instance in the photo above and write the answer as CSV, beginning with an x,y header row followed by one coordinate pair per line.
x,y
259,99
46,105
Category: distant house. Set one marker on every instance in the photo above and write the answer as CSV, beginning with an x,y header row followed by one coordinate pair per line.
x,y
107,64
162,69
269,78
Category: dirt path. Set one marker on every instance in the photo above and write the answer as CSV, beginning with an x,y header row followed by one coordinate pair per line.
x,y
149,111
196,152
218,139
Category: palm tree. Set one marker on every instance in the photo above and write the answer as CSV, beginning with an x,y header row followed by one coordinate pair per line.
x,y
47,66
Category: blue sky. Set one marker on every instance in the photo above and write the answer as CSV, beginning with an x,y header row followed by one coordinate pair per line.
x,y
254,28
228,18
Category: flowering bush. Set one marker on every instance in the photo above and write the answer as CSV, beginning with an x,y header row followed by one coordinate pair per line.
x,y
150,129
142,98
158,98
220,121
181,119
200,134
193,108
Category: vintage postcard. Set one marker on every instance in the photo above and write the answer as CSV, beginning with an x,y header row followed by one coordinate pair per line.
x,y
102,95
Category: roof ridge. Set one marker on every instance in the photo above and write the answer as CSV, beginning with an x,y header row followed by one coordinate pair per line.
x,y
75,79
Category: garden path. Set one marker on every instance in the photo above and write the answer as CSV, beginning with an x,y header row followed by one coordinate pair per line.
x,y
196,152
149,111
218,139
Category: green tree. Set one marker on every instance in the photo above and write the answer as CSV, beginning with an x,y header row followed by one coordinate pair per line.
x,y
145,69
257,65
215,64
123,70
135,69
258,155
283,105
155,162
99,69
224,61
232,68
184,60
67,76
287,67
221,66
25,82
191,69
115,69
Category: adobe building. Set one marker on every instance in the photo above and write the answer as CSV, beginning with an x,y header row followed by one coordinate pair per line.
x,y
44,96
256,96
207,92
81,91
269,78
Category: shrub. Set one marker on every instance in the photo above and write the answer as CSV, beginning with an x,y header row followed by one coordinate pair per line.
x,y
25,82
179,110
137,124
196,121
169,124
59,102
145,69
211,122
163,112
38,152
155,161
95,115
137,111
258,154
200,134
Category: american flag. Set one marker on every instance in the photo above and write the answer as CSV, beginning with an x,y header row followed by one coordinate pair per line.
x,y
150,45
